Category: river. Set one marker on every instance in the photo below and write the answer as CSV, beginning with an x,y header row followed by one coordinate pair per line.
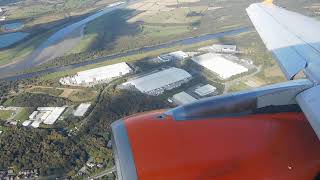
x,y
186,41
58,44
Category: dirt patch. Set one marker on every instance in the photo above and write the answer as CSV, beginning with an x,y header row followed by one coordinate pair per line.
x,y
66,93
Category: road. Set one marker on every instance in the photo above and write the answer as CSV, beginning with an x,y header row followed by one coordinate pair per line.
x,y
103,173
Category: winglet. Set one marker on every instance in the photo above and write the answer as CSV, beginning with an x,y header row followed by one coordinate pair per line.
x,y
270,2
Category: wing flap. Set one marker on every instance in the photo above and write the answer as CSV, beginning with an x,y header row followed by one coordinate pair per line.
x,y
309,102
293,38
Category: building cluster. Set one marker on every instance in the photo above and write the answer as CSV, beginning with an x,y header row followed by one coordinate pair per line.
x,y
81,109
198,92
97,76
156,83
9,108
23,174
89,166
222,65
219,48
45,115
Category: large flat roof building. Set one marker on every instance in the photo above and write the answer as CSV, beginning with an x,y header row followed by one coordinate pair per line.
x,y
46,115
183,98
220,65
97,75
54,115
178,55
156,83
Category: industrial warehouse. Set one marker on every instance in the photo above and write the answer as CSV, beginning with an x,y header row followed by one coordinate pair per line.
x,y
81,109
156,83
220,65
178,55
46,115
97,76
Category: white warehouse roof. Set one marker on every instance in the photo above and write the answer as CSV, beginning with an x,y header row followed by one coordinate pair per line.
x,y
33,115
35,124
183,98
159,79
218,64
179,55
26,123
82,109
54,115
205,90
98,74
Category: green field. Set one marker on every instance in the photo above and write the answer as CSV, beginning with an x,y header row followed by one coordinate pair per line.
x,y
35,8
23,114
84,95
239,86
128,29
4,115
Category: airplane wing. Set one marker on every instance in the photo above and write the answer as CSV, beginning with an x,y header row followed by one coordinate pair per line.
x,y
295,42
293,38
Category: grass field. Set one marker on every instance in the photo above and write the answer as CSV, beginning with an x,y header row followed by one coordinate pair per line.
x,y
82,95
174,16
4,115
40,8
154,22
30,11
239,86
23,114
